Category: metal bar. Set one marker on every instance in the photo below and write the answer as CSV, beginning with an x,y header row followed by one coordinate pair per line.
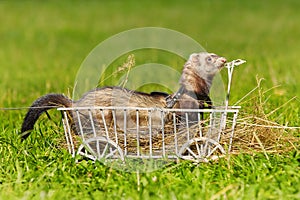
x,y
69,133
216,109
125,131
221,128
104,123
200,125
92,123
232,129
153,156
163,133
66,135
210,124
175,133
187,126
150,133
80,125
137,133
115,125
94,131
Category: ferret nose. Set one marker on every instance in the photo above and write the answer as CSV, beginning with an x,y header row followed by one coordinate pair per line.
x,y
223,60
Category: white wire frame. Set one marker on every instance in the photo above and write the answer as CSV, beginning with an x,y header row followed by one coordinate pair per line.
x,y
178,142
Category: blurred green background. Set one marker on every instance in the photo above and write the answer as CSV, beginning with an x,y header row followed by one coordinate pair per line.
x,y
43,43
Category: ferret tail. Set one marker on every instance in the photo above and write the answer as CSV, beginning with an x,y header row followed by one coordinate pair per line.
x,y
39,106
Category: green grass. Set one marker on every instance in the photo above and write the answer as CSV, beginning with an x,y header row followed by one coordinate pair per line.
x,y
43,44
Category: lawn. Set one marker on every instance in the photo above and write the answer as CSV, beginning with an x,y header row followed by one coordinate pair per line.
x,y
43,45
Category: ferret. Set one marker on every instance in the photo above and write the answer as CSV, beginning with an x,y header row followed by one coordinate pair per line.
x,y
195,83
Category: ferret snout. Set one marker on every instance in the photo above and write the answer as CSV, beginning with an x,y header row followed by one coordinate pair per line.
x,y
223,60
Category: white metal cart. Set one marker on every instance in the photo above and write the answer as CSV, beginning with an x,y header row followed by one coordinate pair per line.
x,y
173,137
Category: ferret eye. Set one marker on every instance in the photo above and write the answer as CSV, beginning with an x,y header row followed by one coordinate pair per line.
x,y
209,59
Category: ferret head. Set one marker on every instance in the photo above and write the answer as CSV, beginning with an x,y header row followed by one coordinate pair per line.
x,y
206,64
201,66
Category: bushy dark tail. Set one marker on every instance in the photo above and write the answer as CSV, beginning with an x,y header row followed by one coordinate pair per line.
x,y
39,106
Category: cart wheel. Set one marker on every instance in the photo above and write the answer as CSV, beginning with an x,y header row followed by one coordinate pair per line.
x,y
100,148
201,149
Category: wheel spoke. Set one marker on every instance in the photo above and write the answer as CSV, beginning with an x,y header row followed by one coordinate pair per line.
x,y
111,154
204,152
212,151
198,148
191,152
90,149
88,156
104,150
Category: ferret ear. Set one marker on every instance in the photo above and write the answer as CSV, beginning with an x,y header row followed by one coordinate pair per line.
x,y
194,58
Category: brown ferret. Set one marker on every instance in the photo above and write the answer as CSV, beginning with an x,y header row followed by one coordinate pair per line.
x,y
195,83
